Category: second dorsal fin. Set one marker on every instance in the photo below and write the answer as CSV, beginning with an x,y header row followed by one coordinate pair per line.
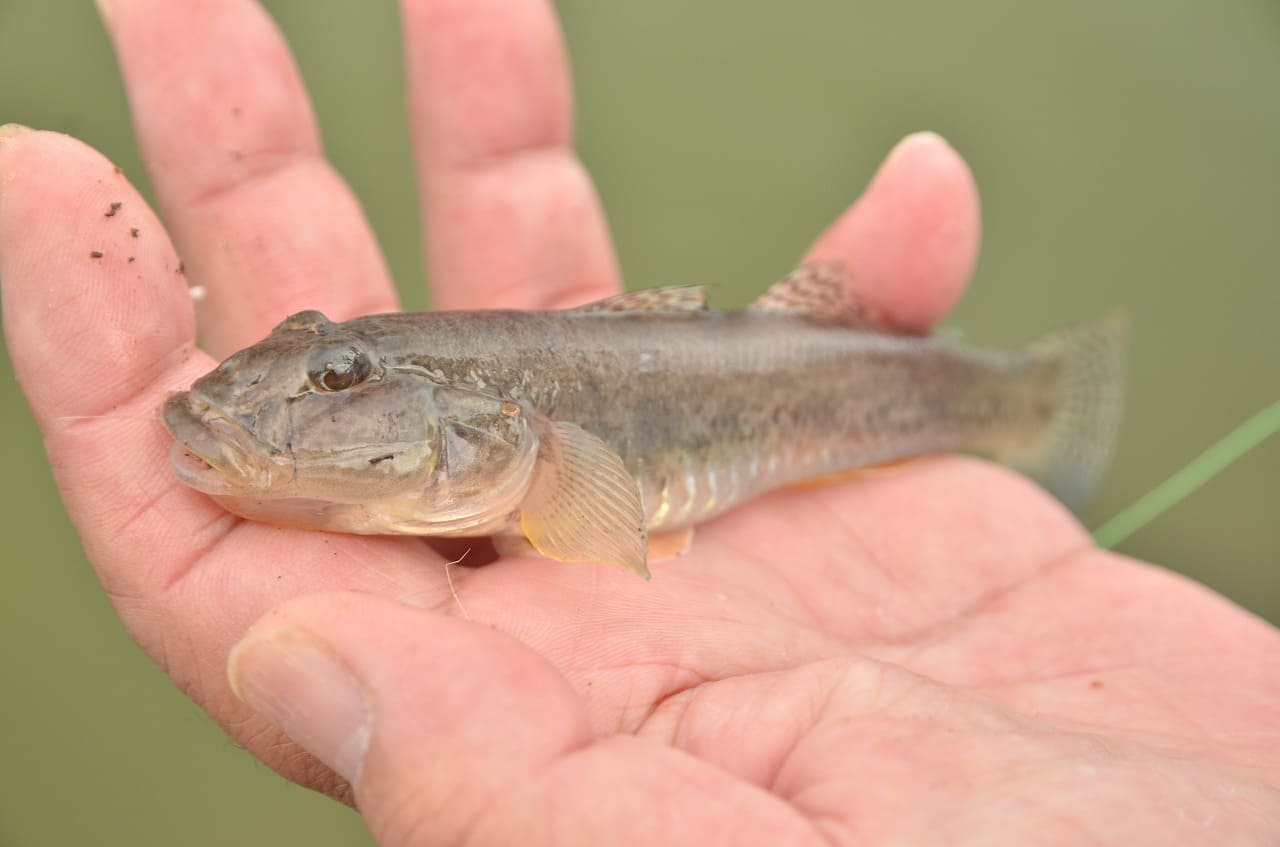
x,y
670,298
822,290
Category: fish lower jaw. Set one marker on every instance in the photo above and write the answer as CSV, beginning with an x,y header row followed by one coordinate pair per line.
x,y
195,471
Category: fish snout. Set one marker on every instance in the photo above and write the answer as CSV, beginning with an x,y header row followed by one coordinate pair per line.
x,y
211,451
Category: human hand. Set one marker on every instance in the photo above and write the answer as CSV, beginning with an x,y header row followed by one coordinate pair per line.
x,y
932,654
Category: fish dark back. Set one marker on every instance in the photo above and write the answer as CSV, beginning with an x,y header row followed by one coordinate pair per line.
x,y
708,408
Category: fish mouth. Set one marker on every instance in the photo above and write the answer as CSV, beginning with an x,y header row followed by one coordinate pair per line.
x,y
211,452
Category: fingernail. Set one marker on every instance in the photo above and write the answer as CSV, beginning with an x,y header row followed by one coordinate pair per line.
x,y
298,684
912,142
8,131
104,10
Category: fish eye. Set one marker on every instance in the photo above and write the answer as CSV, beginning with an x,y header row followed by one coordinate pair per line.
x,y
338,368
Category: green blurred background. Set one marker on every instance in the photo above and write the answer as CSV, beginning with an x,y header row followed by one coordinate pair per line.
x,y
1128,155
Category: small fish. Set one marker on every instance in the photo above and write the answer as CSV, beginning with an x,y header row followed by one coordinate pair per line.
x,y
582,431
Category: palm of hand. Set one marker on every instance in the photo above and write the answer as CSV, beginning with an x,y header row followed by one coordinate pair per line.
x,y
924,656
929,653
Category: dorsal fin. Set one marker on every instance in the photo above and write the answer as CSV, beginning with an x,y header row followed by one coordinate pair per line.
x,y
308,321
670,298
823,290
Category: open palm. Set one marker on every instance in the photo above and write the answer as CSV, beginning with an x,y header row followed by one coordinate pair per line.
x,y
932,653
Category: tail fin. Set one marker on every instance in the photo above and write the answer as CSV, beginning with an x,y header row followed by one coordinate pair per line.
x,y
1080,438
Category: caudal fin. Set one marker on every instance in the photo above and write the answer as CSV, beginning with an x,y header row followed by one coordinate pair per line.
x,y
1078,443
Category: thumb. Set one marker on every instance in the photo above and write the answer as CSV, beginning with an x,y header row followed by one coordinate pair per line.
x,y
912,237
451,732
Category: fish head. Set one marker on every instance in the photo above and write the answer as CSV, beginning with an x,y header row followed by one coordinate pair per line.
x,y
311,427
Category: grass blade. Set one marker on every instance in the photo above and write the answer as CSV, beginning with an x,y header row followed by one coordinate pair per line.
x,y
1198,471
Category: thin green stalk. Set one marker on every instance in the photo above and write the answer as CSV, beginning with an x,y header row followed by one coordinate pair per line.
x,y
1200,470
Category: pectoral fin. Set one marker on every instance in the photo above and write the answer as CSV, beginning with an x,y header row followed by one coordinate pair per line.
x,y
584,506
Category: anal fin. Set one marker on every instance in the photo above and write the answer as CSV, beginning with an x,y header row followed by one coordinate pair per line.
x,y
670,545
889,467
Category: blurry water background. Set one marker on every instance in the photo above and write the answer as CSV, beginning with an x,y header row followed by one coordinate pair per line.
x,y
1128,155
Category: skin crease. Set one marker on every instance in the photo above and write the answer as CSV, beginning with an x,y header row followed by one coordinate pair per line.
x,y
929,654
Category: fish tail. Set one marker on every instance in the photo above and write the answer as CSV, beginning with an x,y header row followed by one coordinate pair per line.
x,y
1076,446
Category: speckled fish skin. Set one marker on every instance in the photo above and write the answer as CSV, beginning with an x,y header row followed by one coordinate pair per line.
x,y
708,409
646,411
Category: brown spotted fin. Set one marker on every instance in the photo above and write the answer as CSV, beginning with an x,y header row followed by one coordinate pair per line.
x,y
583,505
670,298
823,290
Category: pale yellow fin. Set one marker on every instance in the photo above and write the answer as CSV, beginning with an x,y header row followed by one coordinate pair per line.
x,y
671,298
823,290
891,466
584,506
670,545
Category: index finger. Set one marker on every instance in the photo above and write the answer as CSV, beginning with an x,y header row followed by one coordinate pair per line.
x,y
82,290
100,328
229,138
911,239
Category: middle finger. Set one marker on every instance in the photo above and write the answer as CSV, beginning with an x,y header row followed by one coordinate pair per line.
x,y
230,141
511,216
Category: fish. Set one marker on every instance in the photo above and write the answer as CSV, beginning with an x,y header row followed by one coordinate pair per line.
x,y
579,433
